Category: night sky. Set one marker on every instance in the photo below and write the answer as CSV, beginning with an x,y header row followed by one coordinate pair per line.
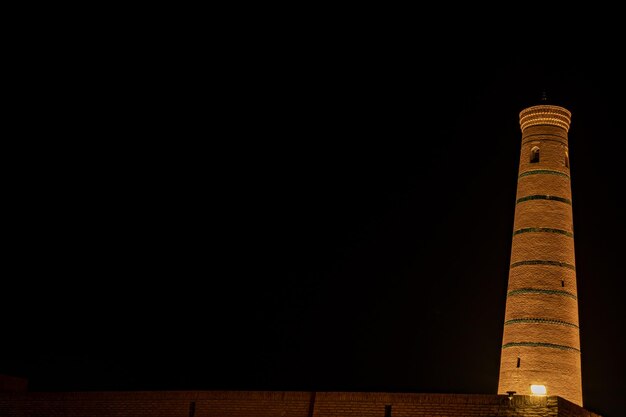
x,y
310,216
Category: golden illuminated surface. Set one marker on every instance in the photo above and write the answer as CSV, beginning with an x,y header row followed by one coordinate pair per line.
x,y
545,115
541,330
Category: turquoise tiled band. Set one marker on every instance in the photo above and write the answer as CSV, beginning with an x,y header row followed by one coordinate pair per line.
x,y
541,291
543,171
539,320
543,230
544,197
540,262
539,344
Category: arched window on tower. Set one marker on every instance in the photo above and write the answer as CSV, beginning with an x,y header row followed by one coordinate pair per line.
x,y
534,155
566,160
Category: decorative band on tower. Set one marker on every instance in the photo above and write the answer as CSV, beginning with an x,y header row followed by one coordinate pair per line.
x,y
545,115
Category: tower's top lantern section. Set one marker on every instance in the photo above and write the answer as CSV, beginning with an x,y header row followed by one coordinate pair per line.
x,y
545,115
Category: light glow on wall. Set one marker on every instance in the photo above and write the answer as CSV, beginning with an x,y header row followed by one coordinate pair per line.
x,y
538,389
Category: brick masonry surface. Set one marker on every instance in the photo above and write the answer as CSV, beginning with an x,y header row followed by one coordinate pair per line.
x,y
280,404
541,339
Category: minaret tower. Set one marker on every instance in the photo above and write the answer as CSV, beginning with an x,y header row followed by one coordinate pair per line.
x,y
541,342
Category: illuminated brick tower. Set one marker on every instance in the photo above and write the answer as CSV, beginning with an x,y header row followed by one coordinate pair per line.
x,y
541,342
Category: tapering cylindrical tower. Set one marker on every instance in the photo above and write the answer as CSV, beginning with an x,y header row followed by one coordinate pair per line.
x,y
541,342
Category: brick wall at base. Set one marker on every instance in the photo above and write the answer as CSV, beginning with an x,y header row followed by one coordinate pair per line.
x,y
280,404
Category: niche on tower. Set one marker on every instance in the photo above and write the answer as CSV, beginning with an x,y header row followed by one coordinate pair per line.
x,y
534,155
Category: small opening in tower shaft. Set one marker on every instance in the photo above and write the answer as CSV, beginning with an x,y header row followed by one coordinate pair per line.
x,y
534,155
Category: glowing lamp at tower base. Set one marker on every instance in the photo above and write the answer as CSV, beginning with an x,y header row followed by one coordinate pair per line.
x,y
538,389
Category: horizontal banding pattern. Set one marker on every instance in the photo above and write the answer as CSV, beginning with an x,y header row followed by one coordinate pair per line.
x,y
543,230
543,171
539,320
541,291
544,197
539,344
545,115
543,262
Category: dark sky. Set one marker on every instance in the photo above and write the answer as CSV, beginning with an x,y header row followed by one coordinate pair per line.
x,y
308,215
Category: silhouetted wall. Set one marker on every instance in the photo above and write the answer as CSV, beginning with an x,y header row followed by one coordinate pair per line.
x,y
12,384
280,404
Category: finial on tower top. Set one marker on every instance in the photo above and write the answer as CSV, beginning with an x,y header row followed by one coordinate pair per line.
x,y
544,96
